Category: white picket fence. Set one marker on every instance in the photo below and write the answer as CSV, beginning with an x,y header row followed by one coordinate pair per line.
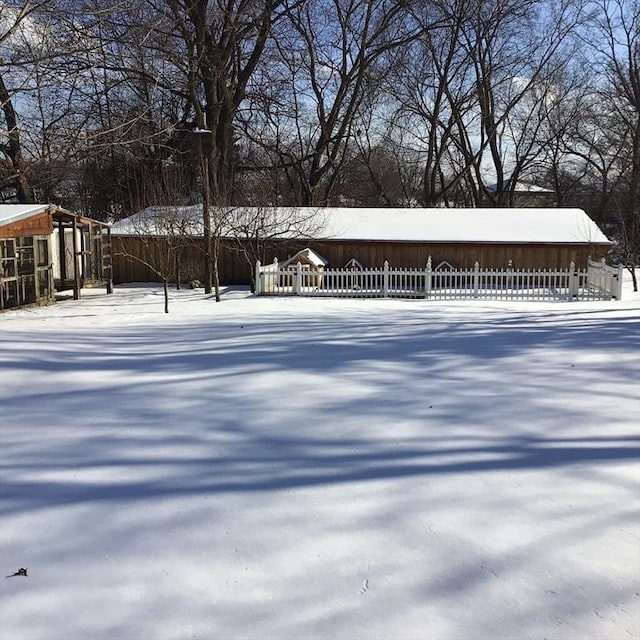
x,y
597,282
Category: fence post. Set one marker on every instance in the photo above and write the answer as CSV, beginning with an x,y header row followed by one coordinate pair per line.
x,y
275,278
573,281
258,278
427,279
476,279
385,279
297,289
618,282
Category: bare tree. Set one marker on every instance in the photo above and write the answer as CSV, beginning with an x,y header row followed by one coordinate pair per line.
x,y
259,229
14,33
432,92
164,235
516,49
473,93
221,44
618,55
77,108
329,55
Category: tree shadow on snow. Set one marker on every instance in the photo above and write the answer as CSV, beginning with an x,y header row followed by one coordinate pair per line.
x,y
141,388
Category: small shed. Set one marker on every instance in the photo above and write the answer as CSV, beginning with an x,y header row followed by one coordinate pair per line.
x,y
311,263
45,249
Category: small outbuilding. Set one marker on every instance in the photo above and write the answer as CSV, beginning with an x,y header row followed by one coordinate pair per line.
x,y
45,249
306,260
310,262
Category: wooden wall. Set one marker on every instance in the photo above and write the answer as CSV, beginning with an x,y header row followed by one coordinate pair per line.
x,y
234,269
129,252
37,225
461,255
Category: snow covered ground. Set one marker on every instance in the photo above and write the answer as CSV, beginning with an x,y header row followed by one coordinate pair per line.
x,y
299,469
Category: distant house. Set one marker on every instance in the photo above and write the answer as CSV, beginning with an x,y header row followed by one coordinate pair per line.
x,y
545,238
525,194
45,249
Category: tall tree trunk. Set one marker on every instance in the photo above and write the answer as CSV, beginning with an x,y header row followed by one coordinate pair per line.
x,y
14,148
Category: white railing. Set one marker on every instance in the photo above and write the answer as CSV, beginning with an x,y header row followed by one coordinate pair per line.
x,y
597,282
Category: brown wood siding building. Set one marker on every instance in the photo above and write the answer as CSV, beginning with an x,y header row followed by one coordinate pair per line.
x,y
495,238
462,255
234,269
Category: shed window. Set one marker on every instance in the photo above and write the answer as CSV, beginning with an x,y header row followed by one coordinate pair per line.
x,y
7,258
26,257
42,252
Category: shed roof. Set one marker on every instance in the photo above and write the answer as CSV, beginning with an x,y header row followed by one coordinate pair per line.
x,y
307,256
517,225
10,213
13,212
490,225
160,221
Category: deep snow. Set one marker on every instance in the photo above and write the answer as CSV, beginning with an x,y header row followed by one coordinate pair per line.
x,y
303,468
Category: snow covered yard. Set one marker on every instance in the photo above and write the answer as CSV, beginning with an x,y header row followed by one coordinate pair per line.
x,y
299,469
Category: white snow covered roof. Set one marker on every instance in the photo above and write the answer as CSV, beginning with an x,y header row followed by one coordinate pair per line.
x,y
10,213
522,187
308,256
13,212
160,221
535,225
517,225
